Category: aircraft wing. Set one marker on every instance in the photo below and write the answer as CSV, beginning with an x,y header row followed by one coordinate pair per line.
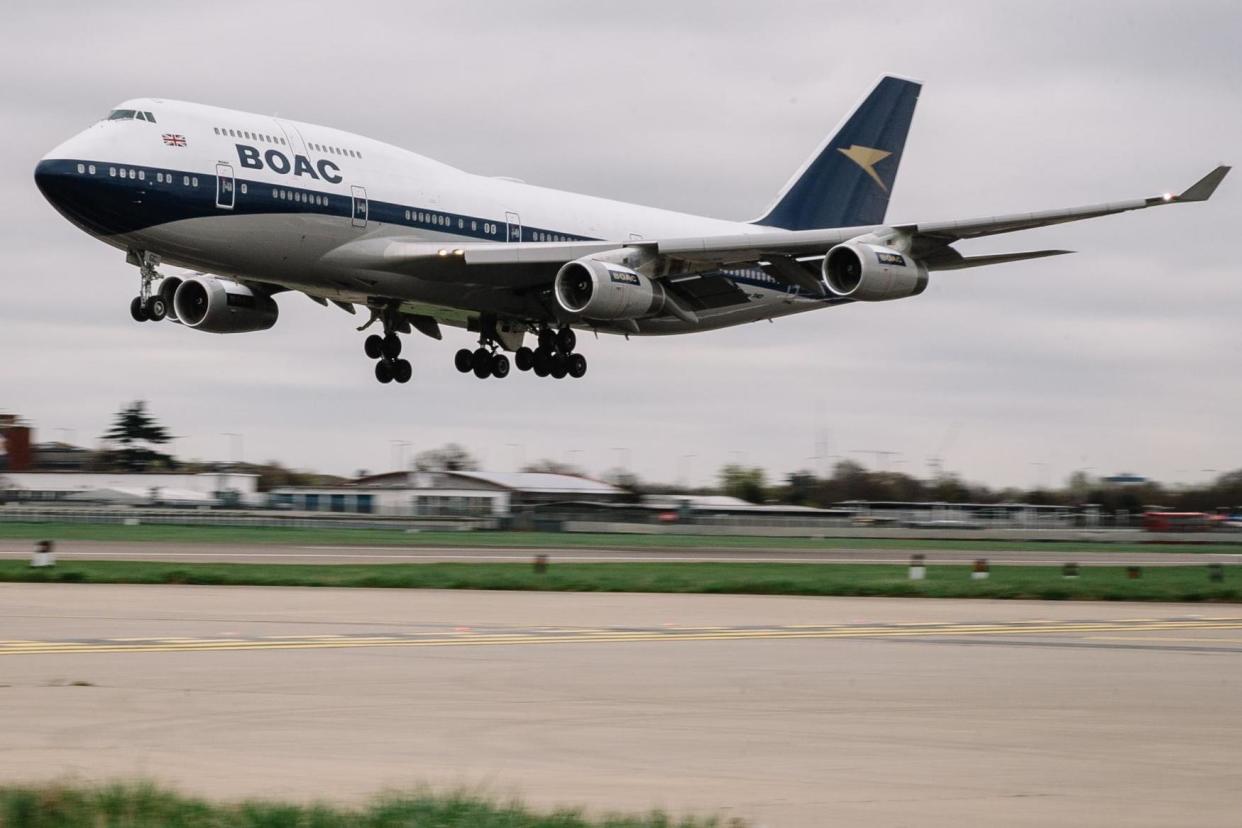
x,y
534,264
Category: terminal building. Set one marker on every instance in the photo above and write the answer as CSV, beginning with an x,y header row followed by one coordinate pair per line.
x,y
446,494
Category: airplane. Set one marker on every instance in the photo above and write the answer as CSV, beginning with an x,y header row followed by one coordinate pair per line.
x,y
253,205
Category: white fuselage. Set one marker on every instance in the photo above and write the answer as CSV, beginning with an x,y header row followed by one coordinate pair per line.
x,y
263,199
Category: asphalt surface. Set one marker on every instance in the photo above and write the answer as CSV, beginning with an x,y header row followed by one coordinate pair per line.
x,y
784,711
324,554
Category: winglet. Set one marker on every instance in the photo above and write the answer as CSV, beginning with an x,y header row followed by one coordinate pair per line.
x,y
1202,189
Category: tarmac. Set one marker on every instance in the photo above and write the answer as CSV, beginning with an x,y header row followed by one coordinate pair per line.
x,y
782,711
363,554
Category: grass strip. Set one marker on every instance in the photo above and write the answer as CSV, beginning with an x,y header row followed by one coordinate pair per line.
x,y
143,805
1103,583
328,536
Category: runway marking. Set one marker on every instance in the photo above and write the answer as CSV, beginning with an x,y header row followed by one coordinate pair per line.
x,y
477,638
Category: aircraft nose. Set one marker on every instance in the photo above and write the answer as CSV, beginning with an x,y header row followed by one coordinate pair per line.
x,y
45,178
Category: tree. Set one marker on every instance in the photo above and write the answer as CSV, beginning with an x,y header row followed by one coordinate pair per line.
x,y
134,432
552,467
449,457
745,483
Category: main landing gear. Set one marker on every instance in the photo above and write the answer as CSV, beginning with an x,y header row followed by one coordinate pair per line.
x,y
554,357
485,361
148,306
387,350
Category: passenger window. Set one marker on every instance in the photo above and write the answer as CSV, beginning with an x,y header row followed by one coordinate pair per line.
x,y
194,181
92,169
243,189
81,168
217,129
133,173
185,181
112,172
142,175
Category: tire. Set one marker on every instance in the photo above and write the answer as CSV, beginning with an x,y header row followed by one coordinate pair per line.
x,y
524,359
482,367
156,308
577,366
559,366
402,370
566,340
137,311
374,346
392,346
464,360
541,362
547,340
383,371
500,366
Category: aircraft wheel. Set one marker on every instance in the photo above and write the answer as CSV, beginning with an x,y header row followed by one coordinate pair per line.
x,y
559,366
541,362
156,308
524,359
566,340
500,366
383,371
547,340
374,346
577,366
402,370
392,346
464,360
482,367
137,311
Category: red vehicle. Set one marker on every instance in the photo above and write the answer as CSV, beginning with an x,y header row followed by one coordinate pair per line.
x,y
1178,521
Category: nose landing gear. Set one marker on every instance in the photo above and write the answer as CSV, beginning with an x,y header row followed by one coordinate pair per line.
x,y
148,306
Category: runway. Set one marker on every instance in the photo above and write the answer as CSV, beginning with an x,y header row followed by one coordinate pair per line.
x,y
362,554
780,710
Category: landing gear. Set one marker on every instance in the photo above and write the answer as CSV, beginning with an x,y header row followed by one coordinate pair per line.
x,y
554,357
147,306
156,308
386,350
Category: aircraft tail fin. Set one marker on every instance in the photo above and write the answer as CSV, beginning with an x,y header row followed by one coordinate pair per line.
x,y
848,180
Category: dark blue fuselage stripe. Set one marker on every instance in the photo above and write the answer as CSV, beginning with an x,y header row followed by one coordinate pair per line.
x,y
109,205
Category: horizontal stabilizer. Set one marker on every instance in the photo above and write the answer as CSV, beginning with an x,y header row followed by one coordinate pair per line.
x,y
960,262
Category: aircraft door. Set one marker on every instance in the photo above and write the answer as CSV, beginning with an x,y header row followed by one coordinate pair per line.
x,y
360,205
514,223
225,195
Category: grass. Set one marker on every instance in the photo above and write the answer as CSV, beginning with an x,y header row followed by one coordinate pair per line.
x,y
143,805
1107,583
328,536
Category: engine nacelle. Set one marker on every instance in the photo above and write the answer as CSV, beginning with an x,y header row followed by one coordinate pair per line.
x,y
872,272
589,288
220,306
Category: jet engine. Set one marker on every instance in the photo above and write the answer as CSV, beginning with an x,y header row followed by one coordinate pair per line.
x,y
220,306
872,272
589,288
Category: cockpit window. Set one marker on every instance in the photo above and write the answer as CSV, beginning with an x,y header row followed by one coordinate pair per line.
x,y
131,115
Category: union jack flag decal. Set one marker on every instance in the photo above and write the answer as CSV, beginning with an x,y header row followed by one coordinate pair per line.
x,y
174,140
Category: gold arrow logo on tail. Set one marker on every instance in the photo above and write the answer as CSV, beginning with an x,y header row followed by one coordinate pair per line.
x,y
867,158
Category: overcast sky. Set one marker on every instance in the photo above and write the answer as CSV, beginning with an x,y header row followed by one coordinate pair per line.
x,y
1123,356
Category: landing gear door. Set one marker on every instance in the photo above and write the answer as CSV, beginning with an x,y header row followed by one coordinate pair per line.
x,y
360,205
225,195
514,223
